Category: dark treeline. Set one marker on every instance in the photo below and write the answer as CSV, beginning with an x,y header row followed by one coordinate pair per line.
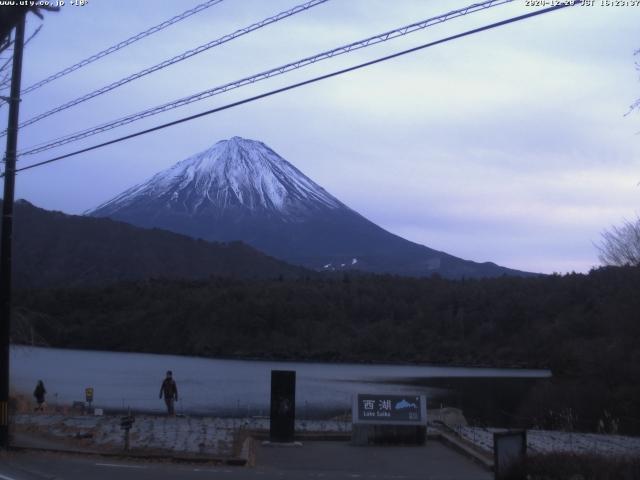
x,y
586,328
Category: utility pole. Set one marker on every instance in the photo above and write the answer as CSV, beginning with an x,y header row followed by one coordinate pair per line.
x,y
7,230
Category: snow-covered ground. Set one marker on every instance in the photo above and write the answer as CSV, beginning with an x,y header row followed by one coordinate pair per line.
x,y
199,435
545,441
219,436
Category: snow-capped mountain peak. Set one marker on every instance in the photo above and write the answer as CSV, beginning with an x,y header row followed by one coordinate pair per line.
x,y
232,173
240,189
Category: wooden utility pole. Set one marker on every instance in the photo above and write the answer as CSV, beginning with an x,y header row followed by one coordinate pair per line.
x,y
7,230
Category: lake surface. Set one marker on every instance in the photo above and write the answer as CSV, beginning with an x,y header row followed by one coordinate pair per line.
x,y
226,387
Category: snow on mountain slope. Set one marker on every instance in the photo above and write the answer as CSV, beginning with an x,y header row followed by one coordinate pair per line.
x,y
234,172
242,190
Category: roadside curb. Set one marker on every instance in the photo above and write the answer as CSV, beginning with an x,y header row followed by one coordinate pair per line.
x,y
308,437
240,461
462,447
247,455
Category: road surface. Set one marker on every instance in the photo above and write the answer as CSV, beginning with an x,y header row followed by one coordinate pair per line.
x,y
315,460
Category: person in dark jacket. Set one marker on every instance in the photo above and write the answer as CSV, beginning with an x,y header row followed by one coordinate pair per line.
x,y
169,390
39,393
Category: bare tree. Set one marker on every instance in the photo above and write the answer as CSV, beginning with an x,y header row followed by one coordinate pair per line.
x,y
6,63
10,15
621,245
636,105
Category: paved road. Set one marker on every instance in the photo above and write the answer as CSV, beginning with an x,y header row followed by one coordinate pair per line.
x,y
342,460
315,460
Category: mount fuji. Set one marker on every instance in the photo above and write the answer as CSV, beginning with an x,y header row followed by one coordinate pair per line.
x,y
241,189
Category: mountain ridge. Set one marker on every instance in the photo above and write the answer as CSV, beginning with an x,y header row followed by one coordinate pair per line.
x,y
56,249
241,189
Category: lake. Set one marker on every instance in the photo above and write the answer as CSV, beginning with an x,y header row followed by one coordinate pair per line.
x,y
234,387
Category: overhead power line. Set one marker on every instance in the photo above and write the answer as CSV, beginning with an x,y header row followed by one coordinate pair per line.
x,y
178,58
379,38
303,83
122,44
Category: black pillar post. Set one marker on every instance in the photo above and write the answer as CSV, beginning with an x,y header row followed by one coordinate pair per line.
x,y
283,406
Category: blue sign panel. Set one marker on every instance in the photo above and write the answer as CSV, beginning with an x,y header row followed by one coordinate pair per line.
x,y
390,408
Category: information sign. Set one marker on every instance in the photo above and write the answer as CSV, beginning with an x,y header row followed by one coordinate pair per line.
x,y
390,409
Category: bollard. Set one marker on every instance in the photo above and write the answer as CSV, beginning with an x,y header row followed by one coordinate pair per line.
x,y
125,424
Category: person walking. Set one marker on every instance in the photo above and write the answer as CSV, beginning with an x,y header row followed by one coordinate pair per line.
x,y
169,390
39,393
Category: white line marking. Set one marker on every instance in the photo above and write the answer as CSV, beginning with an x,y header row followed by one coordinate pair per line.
x,y
115,465
4,477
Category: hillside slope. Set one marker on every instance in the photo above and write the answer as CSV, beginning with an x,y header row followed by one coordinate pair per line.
x,y
56,249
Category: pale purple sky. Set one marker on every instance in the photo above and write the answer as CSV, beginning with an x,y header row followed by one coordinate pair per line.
x,y
508,146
